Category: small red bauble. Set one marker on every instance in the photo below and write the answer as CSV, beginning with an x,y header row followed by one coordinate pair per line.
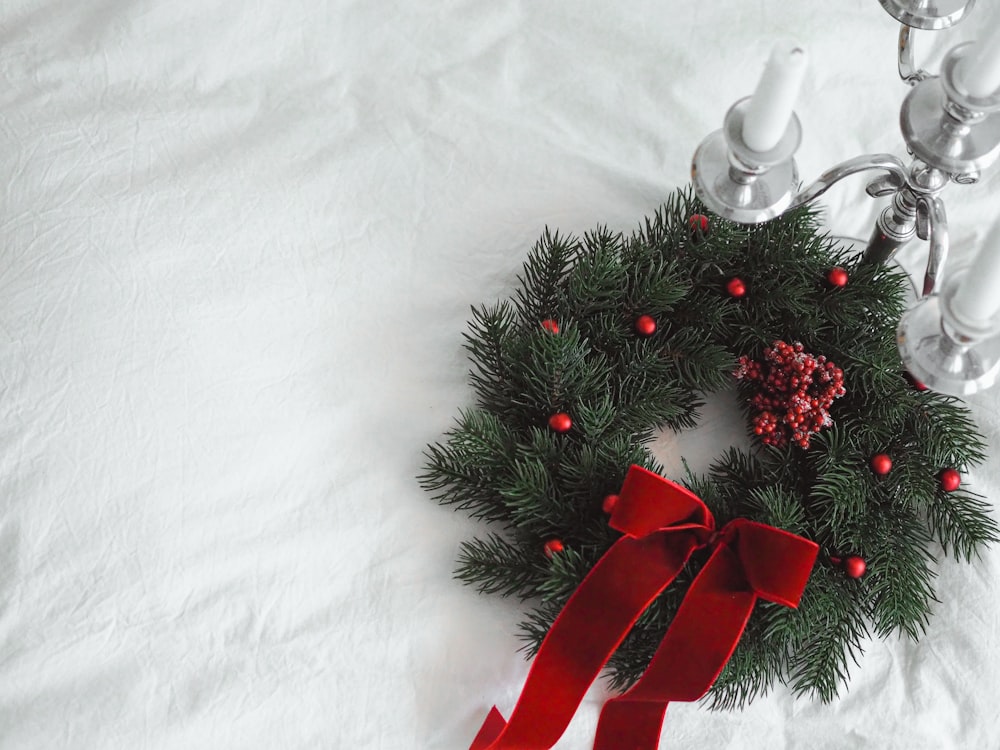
x,y
735,287
917,385
950,480
645,325
698,222
553,547
881,464
854,566
560,422
609,503
550,325
837,277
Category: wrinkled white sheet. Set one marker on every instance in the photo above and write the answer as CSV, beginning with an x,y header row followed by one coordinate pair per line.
x,y
240,241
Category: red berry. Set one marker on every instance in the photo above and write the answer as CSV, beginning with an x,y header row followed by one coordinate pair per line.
x,y
950,480
550,325
560,422
837,277
854,566
698,222
735,287
609,503
917,385
552,547
645,325
881,464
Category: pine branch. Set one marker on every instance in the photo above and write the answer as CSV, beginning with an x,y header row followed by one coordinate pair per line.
x,y
496,566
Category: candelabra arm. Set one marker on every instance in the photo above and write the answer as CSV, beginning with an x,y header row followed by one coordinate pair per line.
x,y
932,224
908,70
893,181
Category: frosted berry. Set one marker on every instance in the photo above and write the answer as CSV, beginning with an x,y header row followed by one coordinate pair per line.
x,y
795,392
550,325
552,547
881,464
735,287
645,325
560,422
950,480
837,277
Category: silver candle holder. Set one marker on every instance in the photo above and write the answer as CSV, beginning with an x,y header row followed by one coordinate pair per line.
x,y
951,136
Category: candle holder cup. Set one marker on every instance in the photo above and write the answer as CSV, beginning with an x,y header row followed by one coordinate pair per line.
x,y
739,183
928,14
945,352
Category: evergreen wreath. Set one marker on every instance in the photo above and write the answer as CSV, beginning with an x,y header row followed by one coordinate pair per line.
x,y
612,338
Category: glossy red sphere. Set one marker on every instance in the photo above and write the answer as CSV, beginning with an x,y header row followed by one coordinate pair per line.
x,y
609,503
881,464
698,221
550,325
736,288
837,277
553,547
560,422
950,480
645,325
855,566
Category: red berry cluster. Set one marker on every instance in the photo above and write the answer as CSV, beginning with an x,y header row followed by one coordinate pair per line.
x,y
796,391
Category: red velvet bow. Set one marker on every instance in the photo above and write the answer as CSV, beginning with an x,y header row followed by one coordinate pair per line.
x,y
663,524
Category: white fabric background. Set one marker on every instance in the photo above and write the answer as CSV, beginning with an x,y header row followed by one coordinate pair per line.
x,y
240,241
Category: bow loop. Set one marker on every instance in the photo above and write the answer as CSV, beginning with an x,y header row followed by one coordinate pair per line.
x,y
776,563
649,503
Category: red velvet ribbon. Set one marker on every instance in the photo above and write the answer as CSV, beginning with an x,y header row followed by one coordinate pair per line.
x,y
663,524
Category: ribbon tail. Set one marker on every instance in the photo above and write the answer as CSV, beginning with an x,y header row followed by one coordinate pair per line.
x,y
491,729
591,626
698,643
630,725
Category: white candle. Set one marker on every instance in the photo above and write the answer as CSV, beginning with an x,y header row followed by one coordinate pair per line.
x,y
772,103
977,298
980,71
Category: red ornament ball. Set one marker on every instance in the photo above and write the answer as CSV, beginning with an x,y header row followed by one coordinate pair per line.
x,y
881,464
735,287
552,547
645,325
550,325
917,385
609,503
560,422
950,480
698,223
837,277
854,566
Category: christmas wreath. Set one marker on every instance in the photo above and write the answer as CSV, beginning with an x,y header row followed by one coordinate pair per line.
x,y
612,338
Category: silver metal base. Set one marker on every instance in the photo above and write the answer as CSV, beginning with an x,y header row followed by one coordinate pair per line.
x,y
940,359
741,184
928,14
964,138
761,198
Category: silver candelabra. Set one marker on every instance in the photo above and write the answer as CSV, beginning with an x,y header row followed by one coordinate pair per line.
x,y
952,134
